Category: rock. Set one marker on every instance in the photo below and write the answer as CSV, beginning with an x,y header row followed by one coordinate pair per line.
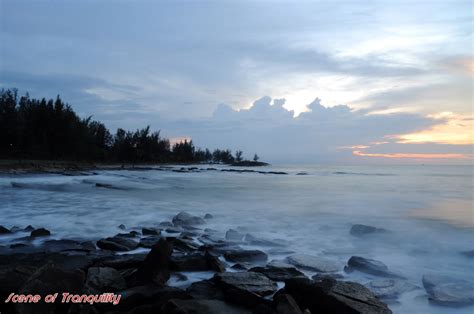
x,y
278,273
243,256
285,304
148,242
150,231
130,235
447,291
370,266
389,289
166,224
4,230
184,245
263,308
313,263
65,245
151,293
330,296
302,174
14,229
239,267
50,279
202,306
29,228
39,259
362,230
205,289
124,261
263,242
246,288
196,262
208,216
41,232
122,227
468,253
233,235
322,276
184,218
155,268
117,244
104,279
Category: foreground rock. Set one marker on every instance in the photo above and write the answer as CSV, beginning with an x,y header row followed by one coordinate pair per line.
x,y
246,288
448,291
330,296
41,232
285,304
155,268
359,230
186,219
246,256
278,273
202,306
117,243
370,266
104,279
313,263
197,262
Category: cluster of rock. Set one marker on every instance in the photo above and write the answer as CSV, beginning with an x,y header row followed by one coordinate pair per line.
x,y
240,280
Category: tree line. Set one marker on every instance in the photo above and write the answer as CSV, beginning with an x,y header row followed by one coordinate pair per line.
x,y
51,130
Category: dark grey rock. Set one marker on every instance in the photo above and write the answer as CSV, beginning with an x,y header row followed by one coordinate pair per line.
x,y
4,230
208,216
122,227
184,218
233,235
370,266
447,291
246,256
150,231
278,273
104,279
206,289
29,228
285,304
331,296
65,245
124,261
314,263
156,266
362,230
117,244
196,262
148,242
41,232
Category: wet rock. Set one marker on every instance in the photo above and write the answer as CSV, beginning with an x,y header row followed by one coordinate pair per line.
x,y
362,230
117,244
233,235
104,279
246,256
148,242
196,262
4,230
184,218
206,289
313,263
389,289
285,304
130,235
122,261
65,245
208,216
50,279
155,268
448,291
330,296
39,259
278,273
41,232
174,230
150,294
184,245
246,288
29,228
202,306
122,227
468,253
150,231
370,266
239,266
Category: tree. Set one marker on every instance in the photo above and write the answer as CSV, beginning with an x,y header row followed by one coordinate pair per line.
x,y
238,155
255,157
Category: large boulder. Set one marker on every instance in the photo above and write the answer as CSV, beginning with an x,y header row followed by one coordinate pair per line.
x,y
360,230
246,288
370,266
117,243
233,235
50,279
104,279
330,296
196,262
313,263
186,219
246,256
444,290
278,273
156,266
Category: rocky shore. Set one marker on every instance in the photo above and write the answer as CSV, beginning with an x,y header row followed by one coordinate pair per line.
x,y
180,266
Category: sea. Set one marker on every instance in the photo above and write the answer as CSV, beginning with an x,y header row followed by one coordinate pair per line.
x,y
427,211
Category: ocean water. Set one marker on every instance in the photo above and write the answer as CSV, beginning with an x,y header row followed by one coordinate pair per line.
x,y
427,209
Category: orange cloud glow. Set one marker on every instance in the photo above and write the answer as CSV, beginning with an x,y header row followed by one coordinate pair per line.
x,y
411,156
457,130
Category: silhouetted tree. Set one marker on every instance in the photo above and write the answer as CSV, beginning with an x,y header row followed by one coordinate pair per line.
x,y
238,155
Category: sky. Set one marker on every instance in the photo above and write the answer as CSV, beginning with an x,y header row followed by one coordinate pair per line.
x,y
317,81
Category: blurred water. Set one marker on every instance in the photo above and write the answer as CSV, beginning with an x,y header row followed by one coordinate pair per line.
x,y
428,209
